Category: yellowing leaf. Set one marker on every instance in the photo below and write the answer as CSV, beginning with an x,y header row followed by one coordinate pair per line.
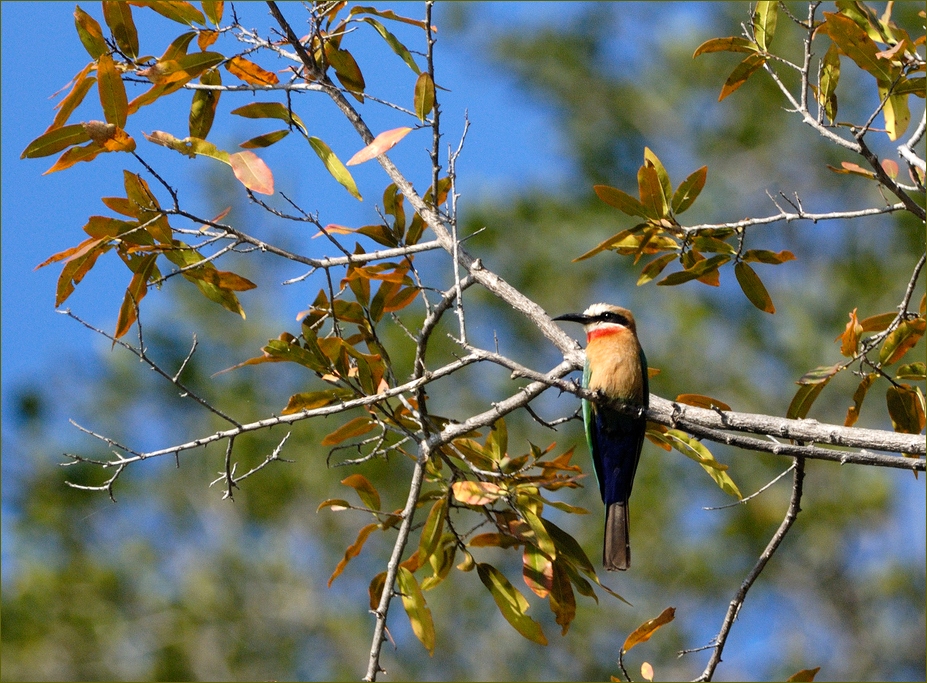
x,y
355,427
424,95
314,399
810,385
858,396
381,144
55,140
901,340
434,527
643,632
511,603
213,10
804,676
203,107
394,43
689,189
700,401
265,140
252,172
90,33
118,16
620,200
537,571
76,154
334,166
250,72
905,408
270,110
732,44
189,146
419,614
181,12
764,22
135,292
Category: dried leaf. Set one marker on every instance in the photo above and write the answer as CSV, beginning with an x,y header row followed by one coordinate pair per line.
x,y
700,401
381,144
252,172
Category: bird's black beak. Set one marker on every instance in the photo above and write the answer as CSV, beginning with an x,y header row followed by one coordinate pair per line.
x,y
574,318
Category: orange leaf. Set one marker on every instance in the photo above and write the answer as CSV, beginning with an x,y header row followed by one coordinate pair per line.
x,y
365,490
352,551
112,91
643,632
700,401
381,144
250,72
76,154
741,73
252,172
476,492
356,427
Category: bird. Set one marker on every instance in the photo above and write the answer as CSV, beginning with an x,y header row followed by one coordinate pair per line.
x,y
616,368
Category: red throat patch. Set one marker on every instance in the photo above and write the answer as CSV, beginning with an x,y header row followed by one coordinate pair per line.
x,y
605,331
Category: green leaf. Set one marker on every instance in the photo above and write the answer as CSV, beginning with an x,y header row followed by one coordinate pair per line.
x,y
915,371
394,43
541,538
764,22
213,10
265,140
689,189
511,603
741,73
335,167
753,287
188,146
731,44
419,614
346,69
424,96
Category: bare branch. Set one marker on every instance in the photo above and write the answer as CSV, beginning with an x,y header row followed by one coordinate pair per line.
x,y
741,595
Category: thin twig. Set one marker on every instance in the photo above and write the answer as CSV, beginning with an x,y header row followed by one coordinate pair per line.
x,y
741,595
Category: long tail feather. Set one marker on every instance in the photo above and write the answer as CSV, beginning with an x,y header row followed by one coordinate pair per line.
x,y
617,552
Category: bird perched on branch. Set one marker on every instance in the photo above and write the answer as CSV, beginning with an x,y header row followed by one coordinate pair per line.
x,y
617,369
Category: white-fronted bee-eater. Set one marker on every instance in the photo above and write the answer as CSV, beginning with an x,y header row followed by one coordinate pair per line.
x,y
617,369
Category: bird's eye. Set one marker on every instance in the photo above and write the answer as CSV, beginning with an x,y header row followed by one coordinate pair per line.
x,y
612,317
